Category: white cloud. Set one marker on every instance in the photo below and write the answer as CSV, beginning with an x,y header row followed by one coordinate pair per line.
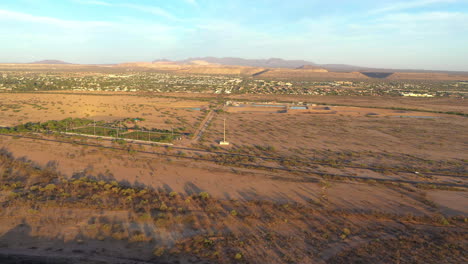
x,y
87,29
192,2
154,10
151,10
452,17
92,2
18,16
398,6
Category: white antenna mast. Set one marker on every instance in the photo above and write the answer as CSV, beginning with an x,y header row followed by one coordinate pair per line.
x,y
224,142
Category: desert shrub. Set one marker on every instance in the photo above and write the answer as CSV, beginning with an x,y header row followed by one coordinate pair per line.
x,y
345,234
204,195
163,207
119,235
139,238
443,221
346,231
49,187
145,217
158,252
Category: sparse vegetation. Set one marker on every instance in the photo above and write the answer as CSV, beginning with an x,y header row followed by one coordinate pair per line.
x,y
43,189
311,174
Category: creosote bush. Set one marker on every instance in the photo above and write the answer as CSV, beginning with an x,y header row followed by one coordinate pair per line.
x,y
197,214
204,195
158,252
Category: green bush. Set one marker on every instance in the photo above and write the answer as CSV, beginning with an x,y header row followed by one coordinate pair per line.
x,y
204,195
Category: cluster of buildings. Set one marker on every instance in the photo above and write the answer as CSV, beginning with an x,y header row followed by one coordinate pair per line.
x,y
219,84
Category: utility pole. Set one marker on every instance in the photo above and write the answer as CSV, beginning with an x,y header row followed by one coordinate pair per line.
x,y
224,142
94,122
149,135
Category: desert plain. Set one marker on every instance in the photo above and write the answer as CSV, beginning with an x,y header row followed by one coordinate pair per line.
x,y
304,179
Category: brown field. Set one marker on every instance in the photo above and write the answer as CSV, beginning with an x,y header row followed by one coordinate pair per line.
x,y
161,113
344,182
427,104
348,129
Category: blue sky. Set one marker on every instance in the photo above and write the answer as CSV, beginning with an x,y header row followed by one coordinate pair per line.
x,y
421,34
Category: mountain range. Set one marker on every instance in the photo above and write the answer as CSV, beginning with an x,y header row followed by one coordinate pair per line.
x,y
50,62
295,64
270,63
267,63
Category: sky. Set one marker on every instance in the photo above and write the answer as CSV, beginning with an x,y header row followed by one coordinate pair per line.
x,y
411,34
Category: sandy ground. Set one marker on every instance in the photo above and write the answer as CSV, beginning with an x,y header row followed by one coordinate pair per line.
x,y
450,203
438,138
371,136
336,110
431,104
160,113
349,133
222,182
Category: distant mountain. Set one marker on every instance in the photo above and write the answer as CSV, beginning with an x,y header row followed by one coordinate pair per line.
x,y
161,60
275,63
50,62
292,64
270,63
267,63
309,67
343,68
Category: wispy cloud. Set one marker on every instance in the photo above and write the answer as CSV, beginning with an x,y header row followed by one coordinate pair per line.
x,y
151,10
92,2
192,2
154,10
88,27
18,16
398,32
399,6
453,17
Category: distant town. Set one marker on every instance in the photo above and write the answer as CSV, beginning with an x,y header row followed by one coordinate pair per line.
x,y
140,81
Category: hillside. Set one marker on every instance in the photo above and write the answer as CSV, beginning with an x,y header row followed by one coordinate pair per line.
x,y
295,64
50,62
311,74
195,67
270,63
306,71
